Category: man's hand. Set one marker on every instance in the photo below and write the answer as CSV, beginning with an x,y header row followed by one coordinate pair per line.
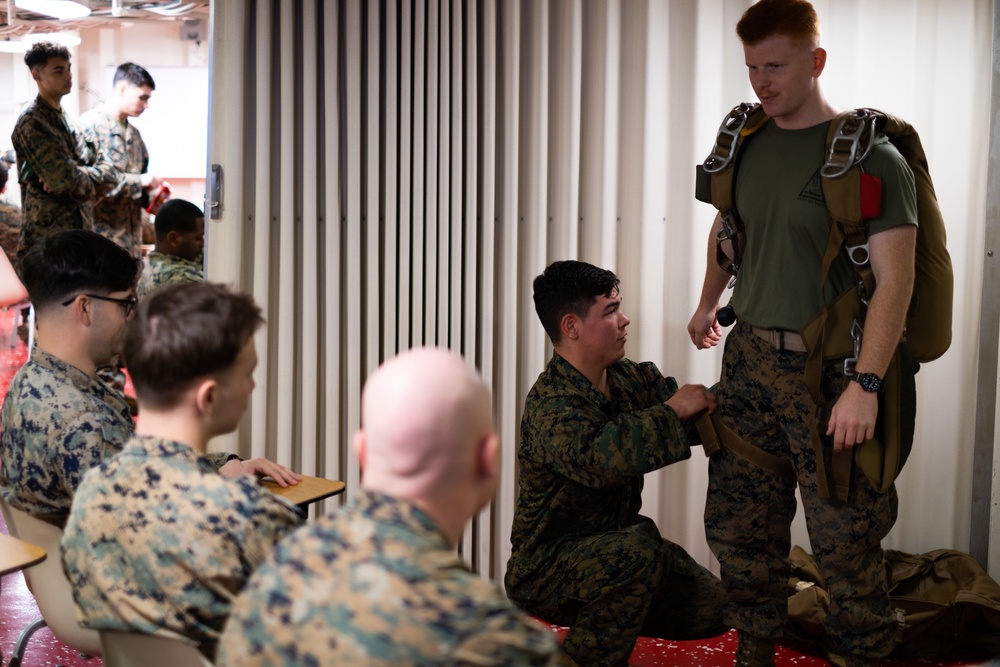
x,y
690,400
852,420
704,329
150,182
261,468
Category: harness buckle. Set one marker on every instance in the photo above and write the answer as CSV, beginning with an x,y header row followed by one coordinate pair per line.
x,y
728,232
725,143
851,143
863,295
859,254
857,333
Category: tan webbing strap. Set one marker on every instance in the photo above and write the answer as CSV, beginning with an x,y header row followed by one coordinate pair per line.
x,y
722,181
723,186
843,202
814,333
839,476
837,483
840,469
706,431
737,445
843,197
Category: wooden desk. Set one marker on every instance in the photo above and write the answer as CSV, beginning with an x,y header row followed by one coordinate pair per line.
x,y
16,554
308,491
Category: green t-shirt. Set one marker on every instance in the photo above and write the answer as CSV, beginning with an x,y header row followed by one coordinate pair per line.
x,y
779,197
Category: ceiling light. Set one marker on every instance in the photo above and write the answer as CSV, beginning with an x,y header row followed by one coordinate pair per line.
x,y
60,9
66,37
8,45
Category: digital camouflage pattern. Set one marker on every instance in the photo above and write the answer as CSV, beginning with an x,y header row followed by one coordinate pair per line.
x,y
158,542
10,230
376,584
764,398
118,213
582,555
58,172
165,269
58,423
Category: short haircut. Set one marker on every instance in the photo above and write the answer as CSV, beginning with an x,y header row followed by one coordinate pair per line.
x,y
41,53
569,287
73,261
184,332
176,215
793,18
3,174
133,74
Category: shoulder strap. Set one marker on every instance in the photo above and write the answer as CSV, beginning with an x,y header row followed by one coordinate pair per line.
x,y
846,187
850,138
742,121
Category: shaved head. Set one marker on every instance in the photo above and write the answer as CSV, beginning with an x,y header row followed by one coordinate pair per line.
x,y
424,417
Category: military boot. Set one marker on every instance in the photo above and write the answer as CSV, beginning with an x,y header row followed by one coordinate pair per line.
x,y
754,651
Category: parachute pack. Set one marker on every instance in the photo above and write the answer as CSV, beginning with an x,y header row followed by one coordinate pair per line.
x,y
853,197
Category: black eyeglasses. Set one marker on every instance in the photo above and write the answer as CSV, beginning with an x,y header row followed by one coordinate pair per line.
x,y
128,304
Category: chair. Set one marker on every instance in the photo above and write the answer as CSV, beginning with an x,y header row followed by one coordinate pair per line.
x,y
50,587
131,649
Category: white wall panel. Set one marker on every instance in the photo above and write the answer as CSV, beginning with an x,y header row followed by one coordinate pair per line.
x,y
385,194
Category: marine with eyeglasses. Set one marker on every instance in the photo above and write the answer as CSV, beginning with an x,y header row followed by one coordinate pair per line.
x,y
59,419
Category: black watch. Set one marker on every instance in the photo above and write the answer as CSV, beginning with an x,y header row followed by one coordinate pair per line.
x,y
868,381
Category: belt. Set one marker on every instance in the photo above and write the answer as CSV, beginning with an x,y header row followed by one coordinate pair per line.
x,y
780,339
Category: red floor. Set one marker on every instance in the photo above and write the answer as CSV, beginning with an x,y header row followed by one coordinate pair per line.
x,y
18,610
720,651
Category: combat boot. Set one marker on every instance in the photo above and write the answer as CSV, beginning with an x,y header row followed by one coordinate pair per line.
x,y
754,651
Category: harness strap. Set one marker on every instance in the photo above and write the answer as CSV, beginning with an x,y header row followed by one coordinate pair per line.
x,y
815,342
715,434
706,432
742,121
850,138
835,483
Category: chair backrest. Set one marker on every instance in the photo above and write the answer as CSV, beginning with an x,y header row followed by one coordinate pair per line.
x,y
130,649
48,583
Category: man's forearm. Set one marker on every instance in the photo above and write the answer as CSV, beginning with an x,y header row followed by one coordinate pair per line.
x,y
892,261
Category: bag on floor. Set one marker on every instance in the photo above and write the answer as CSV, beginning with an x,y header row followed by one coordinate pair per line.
x,y
945,602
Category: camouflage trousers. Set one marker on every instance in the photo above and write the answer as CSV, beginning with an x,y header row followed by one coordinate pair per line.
x,y
763,398
44,214
127,234
613,587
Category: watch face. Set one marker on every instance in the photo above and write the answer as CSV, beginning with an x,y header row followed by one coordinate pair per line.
x,y
869,382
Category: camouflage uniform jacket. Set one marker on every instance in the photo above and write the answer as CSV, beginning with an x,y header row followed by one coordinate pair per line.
x,y
10,230
158,542
118,214
58,422
164,269
58,172
376,583
582,458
